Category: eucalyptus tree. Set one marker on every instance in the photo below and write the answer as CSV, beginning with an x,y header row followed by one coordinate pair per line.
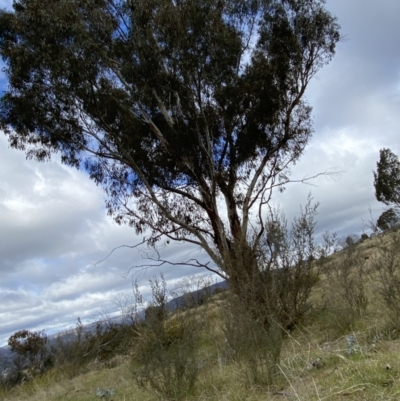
x,y
188,113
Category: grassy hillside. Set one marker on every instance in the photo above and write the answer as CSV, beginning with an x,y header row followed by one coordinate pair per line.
x,y
347,346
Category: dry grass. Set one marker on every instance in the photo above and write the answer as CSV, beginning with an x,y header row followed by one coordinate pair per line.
x,y
369,369
370,373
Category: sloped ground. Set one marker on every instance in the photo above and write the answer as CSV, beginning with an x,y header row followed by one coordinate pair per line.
x,y
346,349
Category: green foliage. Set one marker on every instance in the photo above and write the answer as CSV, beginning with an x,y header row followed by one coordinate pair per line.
x,y
254,346
349,241
169,106
388,219
108,340
291,262
268,305
165,354
387,178
173,107
31,358
69,351
73,354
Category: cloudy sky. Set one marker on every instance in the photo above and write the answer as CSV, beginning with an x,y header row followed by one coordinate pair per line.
x,y
53,224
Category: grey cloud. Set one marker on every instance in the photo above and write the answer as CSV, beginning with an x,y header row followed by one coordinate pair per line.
x,y
367,61
44,209
344,200
50,313
54,226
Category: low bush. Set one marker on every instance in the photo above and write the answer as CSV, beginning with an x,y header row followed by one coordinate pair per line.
x,y
387,265
344,298
165,354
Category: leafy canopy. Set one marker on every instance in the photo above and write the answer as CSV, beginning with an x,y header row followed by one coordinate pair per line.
x,y
187,112
387,178
24,342
388,219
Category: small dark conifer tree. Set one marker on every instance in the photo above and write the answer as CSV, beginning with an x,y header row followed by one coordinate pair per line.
x,y
387,178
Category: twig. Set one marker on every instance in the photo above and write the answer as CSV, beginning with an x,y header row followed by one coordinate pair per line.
x,y
284,374
347,392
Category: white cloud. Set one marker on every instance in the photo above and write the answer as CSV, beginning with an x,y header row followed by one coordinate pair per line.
x,y
54,230
54,226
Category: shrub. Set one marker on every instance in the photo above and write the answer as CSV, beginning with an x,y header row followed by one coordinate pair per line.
x,y
11,377
345,298
388,219
30,345
69,351
165,359
275,301
75,352
109,340
255,348
388,268
349,241
32,356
